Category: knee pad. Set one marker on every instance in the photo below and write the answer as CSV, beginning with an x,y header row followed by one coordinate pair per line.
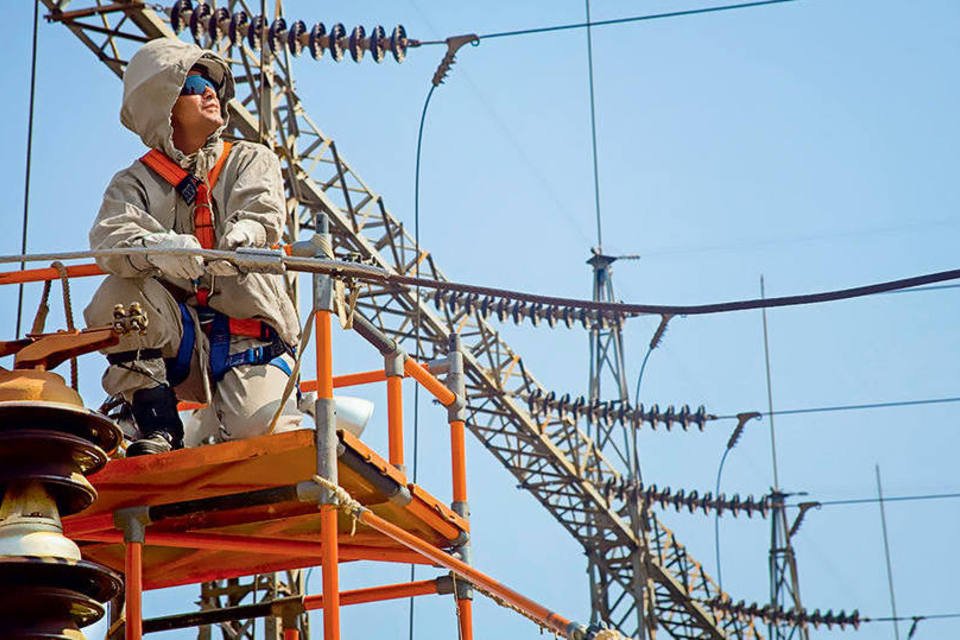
x,y
155,409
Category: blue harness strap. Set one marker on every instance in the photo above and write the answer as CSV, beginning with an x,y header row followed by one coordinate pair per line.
x,y
221,360
178,367
266,354
281,364
220,347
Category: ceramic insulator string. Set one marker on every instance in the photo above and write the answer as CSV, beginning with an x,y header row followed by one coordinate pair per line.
x,y
203,21
794,617
624,490
541,403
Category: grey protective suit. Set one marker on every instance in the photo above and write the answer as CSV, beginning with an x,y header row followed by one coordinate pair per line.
x,y
138,204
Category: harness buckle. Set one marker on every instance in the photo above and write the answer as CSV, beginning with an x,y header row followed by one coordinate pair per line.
x,y
188,187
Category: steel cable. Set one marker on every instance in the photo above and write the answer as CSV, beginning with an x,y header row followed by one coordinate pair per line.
x,y
537,307
416,330
856,407
26,179
614,21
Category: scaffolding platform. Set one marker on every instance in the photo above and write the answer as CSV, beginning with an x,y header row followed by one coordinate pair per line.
x,y
210,533
306,498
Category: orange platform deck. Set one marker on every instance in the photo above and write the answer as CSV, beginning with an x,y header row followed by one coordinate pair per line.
x,y
234,540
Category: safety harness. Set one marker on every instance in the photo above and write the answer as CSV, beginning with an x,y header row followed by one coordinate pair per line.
x,y
216,325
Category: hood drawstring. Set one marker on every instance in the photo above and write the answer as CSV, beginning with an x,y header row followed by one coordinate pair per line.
x,y
203,160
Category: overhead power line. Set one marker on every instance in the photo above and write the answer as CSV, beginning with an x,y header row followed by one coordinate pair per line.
x,y
613,21
933,288
27,170
932,616
855,407
485,299
913,498
593,130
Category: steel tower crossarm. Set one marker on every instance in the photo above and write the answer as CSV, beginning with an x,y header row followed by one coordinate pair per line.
x,y
551,457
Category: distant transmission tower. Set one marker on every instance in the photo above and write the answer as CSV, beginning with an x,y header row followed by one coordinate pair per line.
x,y
784,580
606,343
607,361
260,588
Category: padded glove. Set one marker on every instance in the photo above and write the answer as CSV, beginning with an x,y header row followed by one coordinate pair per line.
x,y
175,266
222,268
243,233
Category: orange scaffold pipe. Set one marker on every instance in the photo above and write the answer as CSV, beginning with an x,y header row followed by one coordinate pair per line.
x,y
550,620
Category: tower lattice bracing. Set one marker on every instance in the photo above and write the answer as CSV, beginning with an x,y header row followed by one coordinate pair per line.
x,y
607,364
565,466
784,579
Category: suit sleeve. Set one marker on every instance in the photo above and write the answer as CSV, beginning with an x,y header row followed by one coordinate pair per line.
x,y
256,200
123,221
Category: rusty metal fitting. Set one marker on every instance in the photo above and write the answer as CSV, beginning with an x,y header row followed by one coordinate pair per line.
x,y
132,521
393,363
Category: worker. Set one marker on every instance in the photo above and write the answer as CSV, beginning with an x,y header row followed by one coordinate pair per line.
x,y
215,335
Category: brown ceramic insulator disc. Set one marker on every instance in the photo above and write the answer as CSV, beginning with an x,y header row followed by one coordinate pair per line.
x,y
81,576
58,460
52,416
47,613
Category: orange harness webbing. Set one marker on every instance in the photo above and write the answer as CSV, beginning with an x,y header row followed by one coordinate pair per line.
x,y
197,193
192,190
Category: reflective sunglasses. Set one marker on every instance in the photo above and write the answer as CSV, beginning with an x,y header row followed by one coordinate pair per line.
x,y
196,86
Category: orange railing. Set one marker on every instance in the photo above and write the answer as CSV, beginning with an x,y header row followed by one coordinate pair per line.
x,y
397,366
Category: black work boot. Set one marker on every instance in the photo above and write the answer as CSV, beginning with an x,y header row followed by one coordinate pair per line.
x,y
155,411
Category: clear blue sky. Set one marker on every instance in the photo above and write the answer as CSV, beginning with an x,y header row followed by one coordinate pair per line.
x,y
814,142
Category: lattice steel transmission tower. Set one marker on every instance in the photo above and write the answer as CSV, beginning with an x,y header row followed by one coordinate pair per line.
x,y
570,470
607,361
606,343
260,588
784,579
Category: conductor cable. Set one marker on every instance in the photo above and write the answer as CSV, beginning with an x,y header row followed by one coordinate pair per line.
x,y
26,179
265,259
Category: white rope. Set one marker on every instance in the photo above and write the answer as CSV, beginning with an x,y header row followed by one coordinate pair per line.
x,y
294,373
346,503
343,304
343,501
456,606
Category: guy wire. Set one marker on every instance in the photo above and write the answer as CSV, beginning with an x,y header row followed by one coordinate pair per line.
x,y
593,130
886,555
416,329
26,180
770,413
603,23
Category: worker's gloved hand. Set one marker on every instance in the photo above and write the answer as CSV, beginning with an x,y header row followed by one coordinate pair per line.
x,y
175,266
243,233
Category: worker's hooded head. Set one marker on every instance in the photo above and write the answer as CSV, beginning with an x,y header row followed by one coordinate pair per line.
x,y
151,85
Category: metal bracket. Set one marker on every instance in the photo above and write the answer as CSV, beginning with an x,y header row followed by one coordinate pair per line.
x,y
393,363
133,522
259,259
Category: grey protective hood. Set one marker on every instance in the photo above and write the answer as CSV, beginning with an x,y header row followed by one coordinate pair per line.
x,y
151,85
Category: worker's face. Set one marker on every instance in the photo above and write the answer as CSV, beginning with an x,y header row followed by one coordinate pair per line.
x,y
197,115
